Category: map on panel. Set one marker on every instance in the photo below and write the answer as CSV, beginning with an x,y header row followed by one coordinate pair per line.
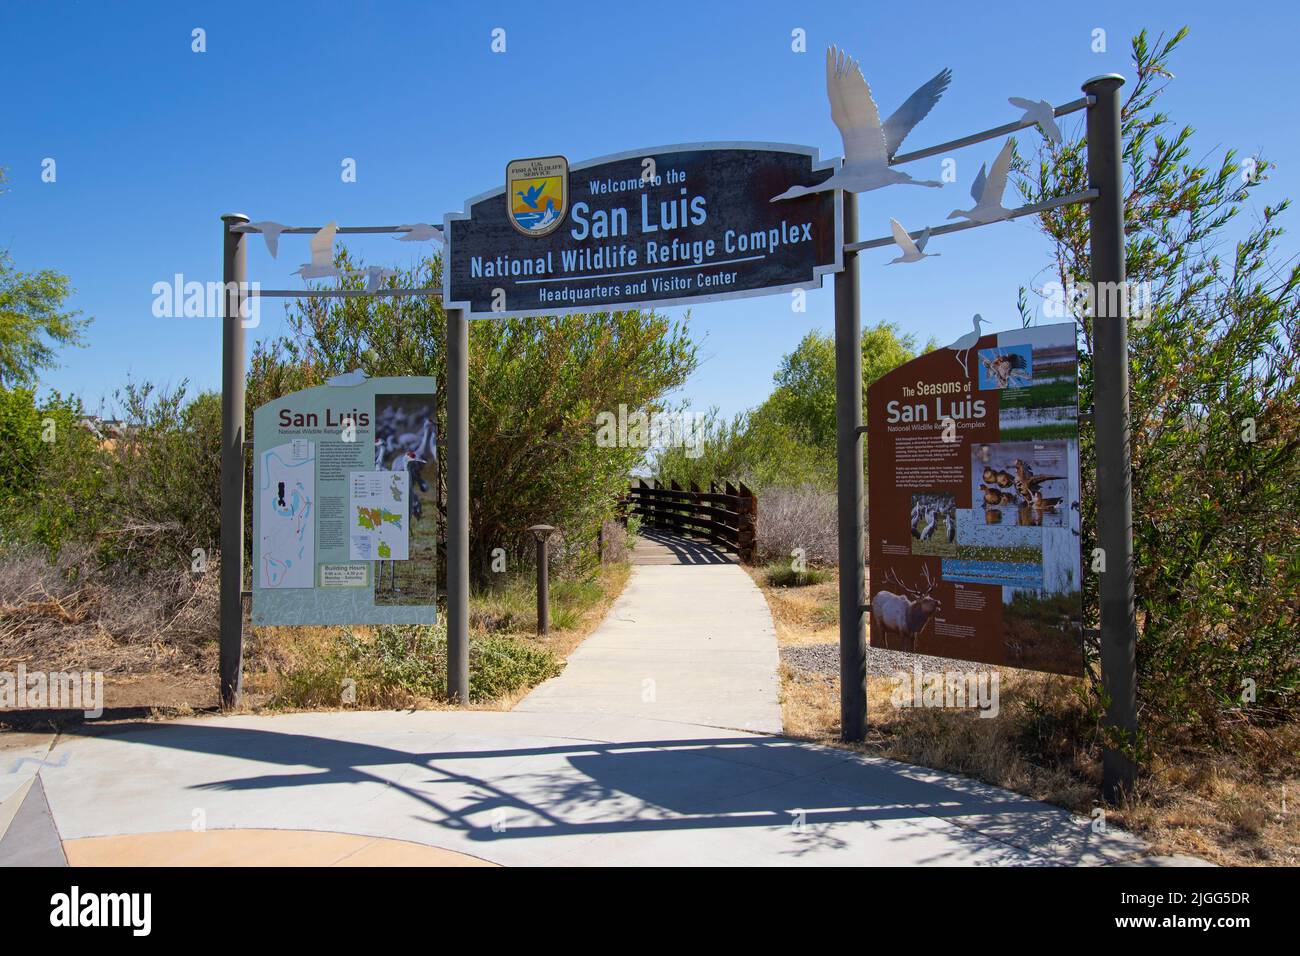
x,y
285,501
378,511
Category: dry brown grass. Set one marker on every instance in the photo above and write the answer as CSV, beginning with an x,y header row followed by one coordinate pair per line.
x,y
65,616
802,518
154,637
803,615
1226,808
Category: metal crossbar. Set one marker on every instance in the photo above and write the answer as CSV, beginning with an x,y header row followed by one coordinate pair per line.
x,y
1085,196
341,293
1072,107
342,230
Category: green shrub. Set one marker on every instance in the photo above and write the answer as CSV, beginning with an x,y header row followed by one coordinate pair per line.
x,y
501,665
1215,417
780,574
161,494
789,440
51,471
404,666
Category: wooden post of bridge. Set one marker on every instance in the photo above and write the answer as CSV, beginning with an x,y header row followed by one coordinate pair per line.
x,y
747,530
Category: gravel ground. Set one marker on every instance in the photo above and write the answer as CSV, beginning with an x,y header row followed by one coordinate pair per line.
x,y
824,659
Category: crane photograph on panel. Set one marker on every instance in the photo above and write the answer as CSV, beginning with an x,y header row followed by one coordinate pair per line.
x,y
690,435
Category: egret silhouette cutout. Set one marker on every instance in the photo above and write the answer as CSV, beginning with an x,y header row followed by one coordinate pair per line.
x,y
376,275
420,232
1042,113
987,191
912,251
869,145
967,342
322,255
271,234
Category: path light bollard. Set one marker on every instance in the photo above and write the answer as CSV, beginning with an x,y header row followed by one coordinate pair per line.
x,y
542,532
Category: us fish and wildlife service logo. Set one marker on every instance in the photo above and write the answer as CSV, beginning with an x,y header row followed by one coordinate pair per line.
x,y
537,194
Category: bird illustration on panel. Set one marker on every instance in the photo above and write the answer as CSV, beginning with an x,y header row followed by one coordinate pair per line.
x,y
967,342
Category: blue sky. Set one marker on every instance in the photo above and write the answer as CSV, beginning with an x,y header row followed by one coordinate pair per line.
x,y
154,142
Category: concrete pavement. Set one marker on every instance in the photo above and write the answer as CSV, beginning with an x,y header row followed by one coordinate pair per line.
x,y
524,788
686,642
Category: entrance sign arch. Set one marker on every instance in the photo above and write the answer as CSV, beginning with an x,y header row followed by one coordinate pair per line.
x,y
1114,501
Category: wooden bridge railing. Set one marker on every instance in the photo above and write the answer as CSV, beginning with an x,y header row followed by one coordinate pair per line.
x,y
726,516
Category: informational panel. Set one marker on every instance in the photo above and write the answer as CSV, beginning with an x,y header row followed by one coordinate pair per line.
x,y
973,470
669,225
344,507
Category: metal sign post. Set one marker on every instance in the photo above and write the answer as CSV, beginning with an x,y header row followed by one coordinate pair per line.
x,y
1110,404
848,452
457,506
234,275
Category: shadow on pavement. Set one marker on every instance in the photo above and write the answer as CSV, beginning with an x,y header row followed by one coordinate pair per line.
x,y
591,788
686,550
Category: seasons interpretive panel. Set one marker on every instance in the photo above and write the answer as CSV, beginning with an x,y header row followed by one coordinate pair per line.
x,y
973,464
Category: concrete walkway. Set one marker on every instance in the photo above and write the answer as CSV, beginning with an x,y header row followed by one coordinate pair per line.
x,y
524,788
659,744
690,641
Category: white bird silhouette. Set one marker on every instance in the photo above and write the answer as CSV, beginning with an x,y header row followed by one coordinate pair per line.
x,y
869,145
928,529
1042,113
967,342
322,255
377,274
987,191
347,379
420,232
271,233
912,251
